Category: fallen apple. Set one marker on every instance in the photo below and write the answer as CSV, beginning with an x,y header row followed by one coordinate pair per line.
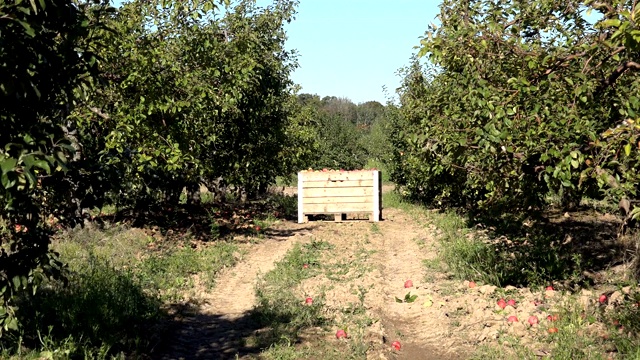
x,y
553,330
408,284
511,302
553,317
308,301
258,228
512,319
472,284
341,334
305,266
602,299
533,320
396,345
502,304
549,288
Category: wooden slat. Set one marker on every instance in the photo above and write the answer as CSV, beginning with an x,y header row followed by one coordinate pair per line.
x,y
336,175
337,183
336,192
340,200
336,208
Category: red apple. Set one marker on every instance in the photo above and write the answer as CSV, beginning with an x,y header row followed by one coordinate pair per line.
x,y
396,345
549,288
553,317
533,320
511,302
512,319
502,304
472,284
305,266
603,299
408,284
324,170
308,301
258,228
553,330
341,334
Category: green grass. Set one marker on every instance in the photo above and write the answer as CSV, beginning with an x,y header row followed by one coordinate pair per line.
x,y
282,311
111,305
280,308
529,259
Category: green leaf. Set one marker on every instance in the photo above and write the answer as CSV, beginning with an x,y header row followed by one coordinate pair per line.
x,y
8,164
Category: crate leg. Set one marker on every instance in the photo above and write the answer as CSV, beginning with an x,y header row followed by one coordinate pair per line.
x,y
303,218
339,217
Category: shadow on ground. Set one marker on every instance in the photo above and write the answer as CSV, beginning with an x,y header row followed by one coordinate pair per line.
x,y
210,337
569,248
210,220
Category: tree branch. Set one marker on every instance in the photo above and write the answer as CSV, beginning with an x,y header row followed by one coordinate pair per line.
x,y
617,73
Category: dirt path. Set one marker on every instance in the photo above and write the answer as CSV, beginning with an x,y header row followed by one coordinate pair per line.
x,y
401,258
216,329
380,256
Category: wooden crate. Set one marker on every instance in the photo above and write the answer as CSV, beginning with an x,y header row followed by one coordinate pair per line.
x,y
339,193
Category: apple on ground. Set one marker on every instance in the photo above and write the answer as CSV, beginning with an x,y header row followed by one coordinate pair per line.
x,y
533,320
408,284
502,304
305,266
553,317
341,334
602,299
308,301
472,284
553,330
549,288
396,345
512,319
511,302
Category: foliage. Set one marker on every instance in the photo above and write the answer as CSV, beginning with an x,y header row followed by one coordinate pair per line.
x,y
519,99
129,107
48,61
190,100
346,135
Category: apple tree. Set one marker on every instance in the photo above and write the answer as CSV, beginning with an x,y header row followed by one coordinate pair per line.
x,y
519,99
48,64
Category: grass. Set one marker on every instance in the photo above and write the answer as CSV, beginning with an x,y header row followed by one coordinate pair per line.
x,y
280,308
112,304
530,259
282,311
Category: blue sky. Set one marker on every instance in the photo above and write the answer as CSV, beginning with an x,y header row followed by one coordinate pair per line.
x,y
352,48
